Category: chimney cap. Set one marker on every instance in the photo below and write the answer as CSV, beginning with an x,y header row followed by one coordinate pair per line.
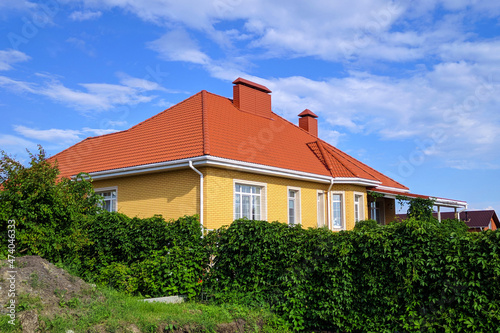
x,y
307,112
251,85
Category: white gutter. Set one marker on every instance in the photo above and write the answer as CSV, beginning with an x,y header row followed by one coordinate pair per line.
x,y
201,194
328,202
395,189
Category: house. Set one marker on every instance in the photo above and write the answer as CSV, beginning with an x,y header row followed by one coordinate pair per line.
x,y
476,220
227,158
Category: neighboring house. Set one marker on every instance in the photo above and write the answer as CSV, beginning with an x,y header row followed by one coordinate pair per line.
x,y
476,220
226,159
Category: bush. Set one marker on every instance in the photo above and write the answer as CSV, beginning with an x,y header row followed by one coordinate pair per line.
x,y
48,211
144,256
409,276
365,225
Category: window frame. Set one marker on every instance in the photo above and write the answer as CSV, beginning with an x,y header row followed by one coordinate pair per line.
x,y
297,201
361,209
342,210
323,223
109,189
263,197
379,211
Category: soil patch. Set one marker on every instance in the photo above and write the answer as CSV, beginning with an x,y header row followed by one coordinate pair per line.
x,y
43,286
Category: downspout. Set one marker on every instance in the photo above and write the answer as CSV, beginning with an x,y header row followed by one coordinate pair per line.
x,y
460,211
201,194
329,198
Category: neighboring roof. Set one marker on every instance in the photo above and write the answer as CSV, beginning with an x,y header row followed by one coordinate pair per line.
x,y
473,218
209,124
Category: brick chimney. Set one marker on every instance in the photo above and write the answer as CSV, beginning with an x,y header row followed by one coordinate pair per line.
x,y
308,121
252,97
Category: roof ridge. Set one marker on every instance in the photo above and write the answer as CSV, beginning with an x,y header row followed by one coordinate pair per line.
x,y
288,121
340,162
204,123
348,156
327,160
158,114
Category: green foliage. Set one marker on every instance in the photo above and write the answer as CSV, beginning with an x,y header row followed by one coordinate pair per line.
x,y
419,208
144,256
411,276
375,195
48,211
365,225
172,271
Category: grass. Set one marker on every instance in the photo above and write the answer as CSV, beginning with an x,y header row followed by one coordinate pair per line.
x,y
113,311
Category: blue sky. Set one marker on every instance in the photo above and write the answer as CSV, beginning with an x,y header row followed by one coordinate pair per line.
x,y
411,89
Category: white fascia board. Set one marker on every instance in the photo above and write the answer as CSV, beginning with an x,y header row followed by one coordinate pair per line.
x,y
395,189
355,181
449,203
146,168
229,164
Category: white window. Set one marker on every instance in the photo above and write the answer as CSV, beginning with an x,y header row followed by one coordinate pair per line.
x,y
337,210
248,201
293,206
321,209
109,196
359,212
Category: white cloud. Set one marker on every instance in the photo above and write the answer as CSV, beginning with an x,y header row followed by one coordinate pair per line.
x,y
9,57
50,135
81,45
16,146
331,30
450,109
140,84
16,5
98,131
177,45
59,136
96,96
84,15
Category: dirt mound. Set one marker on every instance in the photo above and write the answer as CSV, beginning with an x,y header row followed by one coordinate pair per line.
x,y
41,285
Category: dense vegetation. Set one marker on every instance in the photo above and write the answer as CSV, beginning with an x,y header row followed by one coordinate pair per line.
x,y
408,276
416,275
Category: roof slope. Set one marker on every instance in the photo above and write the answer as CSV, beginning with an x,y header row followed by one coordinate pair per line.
x,y
209,124
172,134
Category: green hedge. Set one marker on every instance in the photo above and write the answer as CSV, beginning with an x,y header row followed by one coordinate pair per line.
x,y
409,276
147,256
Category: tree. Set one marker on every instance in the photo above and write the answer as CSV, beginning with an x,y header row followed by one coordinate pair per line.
x,y
48,210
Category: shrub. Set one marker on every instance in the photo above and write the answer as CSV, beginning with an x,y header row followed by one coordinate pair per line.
x,y
410,276
48,210
144,256
366,225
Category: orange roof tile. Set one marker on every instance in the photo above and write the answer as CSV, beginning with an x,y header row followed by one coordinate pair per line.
x,y
209,124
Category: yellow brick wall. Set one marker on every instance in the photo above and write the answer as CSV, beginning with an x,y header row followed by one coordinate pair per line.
x,y
176,193
219,200
171,194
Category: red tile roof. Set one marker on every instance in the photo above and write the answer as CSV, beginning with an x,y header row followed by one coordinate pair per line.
x,y
209,124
